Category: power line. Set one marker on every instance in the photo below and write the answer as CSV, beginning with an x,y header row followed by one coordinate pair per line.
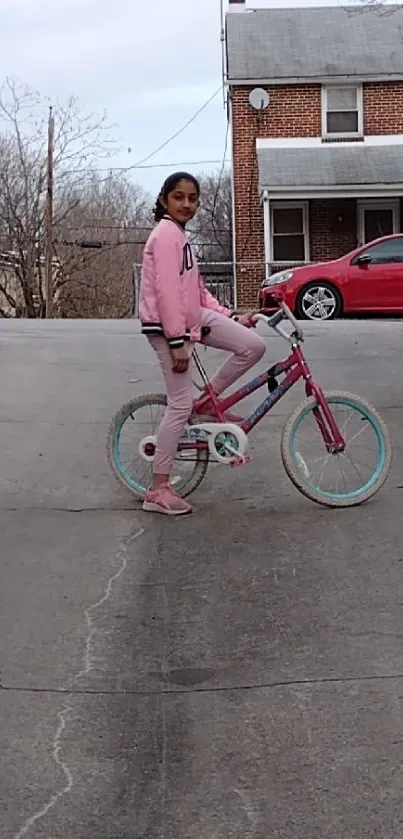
x,y
221,174
177,133
140,164
149,166
97,244
183,163
93,223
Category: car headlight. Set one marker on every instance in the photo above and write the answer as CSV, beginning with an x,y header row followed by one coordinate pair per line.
x,y
277,279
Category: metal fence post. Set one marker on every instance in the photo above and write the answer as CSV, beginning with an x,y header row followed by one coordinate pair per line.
x,y
136,291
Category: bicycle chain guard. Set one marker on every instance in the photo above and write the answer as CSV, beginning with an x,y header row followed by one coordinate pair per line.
x,y
226,441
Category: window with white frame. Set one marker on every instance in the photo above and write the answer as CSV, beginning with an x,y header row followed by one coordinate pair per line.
x,y
289,232
342,111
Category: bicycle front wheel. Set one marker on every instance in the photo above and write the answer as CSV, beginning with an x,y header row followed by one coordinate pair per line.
x,y
342,479
130,448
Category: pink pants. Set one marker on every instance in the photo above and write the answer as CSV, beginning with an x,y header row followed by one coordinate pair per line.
x,y
226,334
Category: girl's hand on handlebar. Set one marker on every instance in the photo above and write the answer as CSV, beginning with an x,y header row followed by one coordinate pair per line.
x,y
248,319
180,358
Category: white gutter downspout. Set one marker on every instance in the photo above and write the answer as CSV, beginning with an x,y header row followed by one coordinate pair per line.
x,y
223,54
228,105
266,233
234,220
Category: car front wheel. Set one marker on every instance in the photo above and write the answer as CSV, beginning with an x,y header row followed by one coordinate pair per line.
x,y
319,301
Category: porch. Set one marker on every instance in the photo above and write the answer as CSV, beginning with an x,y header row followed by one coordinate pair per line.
x,y
315,209
317,230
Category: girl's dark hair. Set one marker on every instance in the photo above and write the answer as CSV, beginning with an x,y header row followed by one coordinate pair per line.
x,y
168,186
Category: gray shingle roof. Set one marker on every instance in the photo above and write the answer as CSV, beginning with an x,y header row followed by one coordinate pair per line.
x,y
330,165
315,43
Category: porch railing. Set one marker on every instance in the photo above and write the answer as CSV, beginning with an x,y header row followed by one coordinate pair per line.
x,y
274,267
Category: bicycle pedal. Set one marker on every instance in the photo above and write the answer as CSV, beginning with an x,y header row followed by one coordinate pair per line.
x,y
240,461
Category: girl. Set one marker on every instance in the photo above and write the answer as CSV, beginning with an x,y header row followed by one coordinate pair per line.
x,y
175,311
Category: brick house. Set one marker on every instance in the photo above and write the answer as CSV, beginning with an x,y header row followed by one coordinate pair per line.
x,y
318,160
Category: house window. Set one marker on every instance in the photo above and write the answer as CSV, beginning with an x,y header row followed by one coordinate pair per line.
x,y
289,232
342,111
377,218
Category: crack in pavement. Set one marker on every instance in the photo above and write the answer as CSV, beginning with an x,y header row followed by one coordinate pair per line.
x,y
63,714
323,680
42,509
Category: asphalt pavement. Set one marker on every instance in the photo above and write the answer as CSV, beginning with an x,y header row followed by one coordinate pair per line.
x,y
234,675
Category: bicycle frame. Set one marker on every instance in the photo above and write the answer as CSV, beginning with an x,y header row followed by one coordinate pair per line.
x,y
294,367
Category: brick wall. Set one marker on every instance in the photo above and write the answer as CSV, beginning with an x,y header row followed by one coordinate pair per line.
x,y
383,108
294,111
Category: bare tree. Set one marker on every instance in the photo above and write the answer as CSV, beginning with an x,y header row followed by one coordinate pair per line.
x,y
80,195
105,213
211,230
115,214
211,234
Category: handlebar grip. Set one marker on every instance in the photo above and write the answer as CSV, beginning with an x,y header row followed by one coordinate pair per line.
x,y
275,319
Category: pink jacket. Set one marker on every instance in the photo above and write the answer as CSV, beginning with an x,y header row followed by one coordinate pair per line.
x,y
172,292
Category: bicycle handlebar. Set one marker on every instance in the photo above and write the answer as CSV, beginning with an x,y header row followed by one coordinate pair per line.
x,y
289,315
284,313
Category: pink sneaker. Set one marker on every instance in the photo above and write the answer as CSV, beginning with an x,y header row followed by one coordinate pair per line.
x,y
164,500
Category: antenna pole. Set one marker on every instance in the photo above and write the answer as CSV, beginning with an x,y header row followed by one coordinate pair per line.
x,y
49,219
222,39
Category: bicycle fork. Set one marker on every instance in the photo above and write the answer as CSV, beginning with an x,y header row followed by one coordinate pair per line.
x,y
326,422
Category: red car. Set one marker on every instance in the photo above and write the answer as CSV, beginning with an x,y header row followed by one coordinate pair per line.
x,y
368,279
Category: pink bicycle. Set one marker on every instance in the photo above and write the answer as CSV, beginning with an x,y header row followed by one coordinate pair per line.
x,y
317,444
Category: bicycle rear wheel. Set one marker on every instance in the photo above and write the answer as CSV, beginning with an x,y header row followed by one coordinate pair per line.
x,y
137,420
342,479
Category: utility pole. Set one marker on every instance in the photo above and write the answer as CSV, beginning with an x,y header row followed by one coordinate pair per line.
x,y
49,219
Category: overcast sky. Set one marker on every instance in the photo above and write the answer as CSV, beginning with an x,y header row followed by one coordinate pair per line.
x,y
150,63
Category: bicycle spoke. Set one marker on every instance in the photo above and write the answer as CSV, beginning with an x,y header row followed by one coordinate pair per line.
x,y
348,456
143,422
143,475
317,442
355,465
323,470
356,435
342,476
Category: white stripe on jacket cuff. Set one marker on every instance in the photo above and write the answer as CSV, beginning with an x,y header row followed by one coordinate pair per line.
x,y
176,343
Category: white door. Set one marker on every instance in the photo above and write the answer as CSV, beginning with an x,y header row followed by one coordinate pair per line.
x,y
376,219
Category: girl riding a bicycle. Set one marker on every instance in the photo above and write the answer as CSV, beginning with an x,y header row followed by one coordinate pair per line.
x,y
176,310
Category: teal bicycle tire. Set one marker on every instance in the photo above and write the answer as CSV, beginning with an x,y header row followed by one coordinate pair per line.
x,y
301,482
113,454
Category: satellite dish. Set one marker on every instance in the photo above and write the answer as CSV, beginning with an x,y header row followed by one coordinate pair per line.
x,y
259,98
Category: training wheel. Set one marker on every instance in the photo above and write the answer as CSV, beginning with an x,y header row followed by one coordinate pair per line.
x,y
147,448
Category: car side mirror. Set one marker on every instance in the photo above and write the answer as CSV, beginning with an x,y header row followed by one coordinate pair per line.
x,y
364,259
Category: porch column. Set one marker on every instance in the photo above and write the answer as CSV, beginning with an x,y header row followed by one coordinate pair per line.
x,y
266,234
